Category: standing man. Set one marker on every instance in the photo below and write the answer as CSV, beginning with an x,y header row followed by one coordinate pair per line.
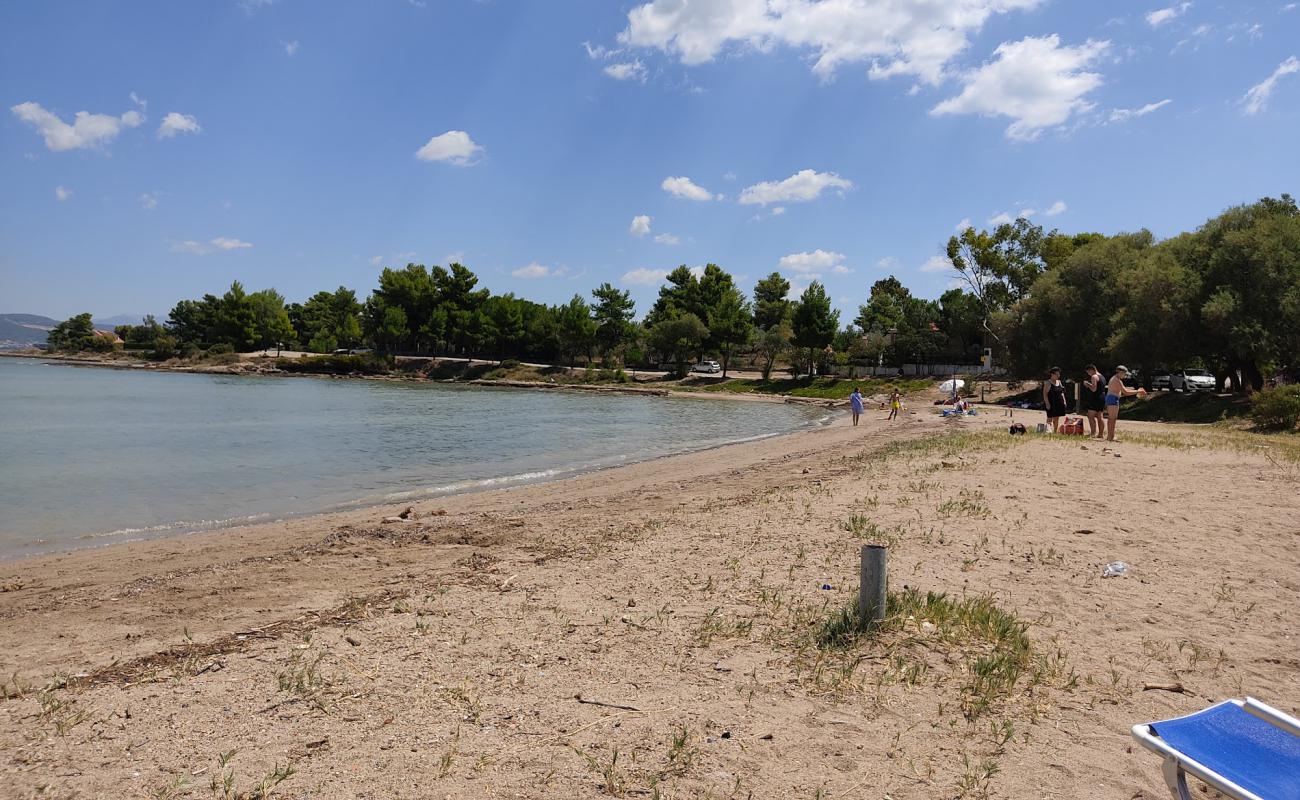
x,y
1114,391
855,402
895,404
1094,401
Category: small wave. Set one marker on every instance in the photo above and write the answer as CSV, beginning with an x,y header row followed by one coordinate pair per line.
x,y
464,486
179,525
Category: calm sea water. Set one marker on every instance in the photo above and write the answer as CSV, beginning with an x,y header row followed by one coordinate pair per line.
x,y
90,456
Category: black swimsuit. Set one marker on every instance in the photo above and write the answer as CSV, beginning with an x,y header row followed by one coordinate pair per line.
x,y
1096,400
1056,400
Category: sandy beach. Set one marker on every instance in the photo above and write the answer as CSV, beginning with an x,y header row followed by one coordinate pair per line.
x,y
654,630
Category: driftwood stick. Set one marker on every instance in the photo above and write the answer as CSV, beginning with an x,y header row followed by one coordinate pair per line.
x,y
1165,687
606,705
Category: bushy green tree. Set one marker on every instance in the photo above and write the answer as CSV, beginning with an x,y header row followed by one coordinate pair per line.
x,y
771,306
577,328
73,334
271,319
730,324
612,312
771,344
814,321
677,339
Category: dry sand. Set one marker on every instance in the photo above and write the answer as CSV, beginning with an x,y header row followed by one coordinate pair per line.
x,y
648,631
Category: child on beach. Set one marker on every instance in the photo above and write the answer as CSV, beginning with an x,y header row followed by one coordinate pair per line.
x,y
855,403
895,404
1114,391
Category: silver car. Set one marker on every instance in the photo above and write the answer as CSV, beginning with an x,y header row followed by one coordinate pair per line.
x,y
1193,380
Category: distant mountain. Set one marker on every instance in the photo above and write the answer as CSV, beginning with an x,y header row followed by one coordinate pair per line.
x,y
20,331
109,323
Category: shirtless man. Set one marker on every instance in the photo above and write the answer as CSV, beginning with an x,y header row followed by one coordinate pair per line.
x,y
1114,391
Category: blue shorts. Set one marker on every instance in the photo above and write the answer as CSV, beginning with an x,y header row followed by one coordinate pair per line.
x,y
1112,399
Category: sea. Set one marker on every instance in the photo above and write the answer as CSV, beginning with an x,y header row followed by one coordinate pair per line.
x,y
92,456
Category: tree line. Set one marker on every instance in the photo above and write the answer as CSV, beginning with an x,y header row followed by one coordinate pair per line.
x,y
1225,296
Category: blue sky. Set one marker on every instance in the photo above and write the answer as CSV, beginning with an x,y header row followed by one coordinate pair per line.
x,y
300,144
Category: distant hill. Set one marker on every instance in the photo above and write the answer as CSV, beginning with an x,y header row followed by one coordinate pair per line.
x,y
20,331
109,323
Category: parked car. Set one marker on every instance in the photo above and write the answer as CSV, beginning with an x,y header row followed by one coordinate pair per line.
x,y
1161,381
1193,380
707,366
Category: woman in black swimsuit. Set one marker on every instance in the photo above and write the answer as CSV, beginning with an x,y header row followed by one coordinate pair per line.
x,y
1054,398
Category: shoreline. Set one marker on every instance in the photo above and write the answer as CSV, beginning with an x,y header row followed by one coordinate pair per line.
x,y
255,371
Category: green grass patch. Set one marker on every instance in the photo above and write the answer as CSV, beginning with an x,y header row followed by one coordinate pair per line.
x,y
819,388
1192,407
363,364
997,648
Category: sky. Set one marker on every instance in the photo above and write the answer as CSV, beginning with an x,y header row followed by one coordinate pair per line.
x,y
154,151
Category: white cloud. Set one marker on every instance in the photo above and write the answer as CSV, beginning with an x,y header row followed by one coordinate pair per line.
x,y
936,264
86,131
1162,15
211,246
963,225
148,201
62,193
640,225
453,147
1290,6
1126,114
535,270
291,48
840,269
139,101
175,123
629,71
728,176
896,37
1035,81
1256,100
888,264
800,187
686,188
778,211
1026,213
667,238
644,277
1001,218
376,260
816,261
1058,207
600,52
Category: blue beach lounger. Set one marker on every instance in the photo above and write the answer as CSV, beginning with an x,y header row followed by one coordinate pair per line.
x,y
1242,748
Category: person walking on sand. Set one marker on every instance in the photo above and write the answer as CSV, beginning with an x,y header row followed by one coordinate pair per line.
x,y
855,404
1094,401
1114,391
1054,398
895,404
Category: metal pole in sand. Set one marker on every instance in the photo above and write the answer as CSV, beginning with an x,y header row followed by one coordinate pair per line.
x,y
871,584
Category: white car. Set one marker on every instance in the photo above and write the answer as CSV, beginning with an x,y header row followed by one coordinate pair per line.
x,y
1193,380
707,366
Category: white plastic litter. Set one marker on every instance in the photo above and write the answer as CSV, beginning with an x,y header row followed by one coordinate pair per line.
x,y
1115,569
